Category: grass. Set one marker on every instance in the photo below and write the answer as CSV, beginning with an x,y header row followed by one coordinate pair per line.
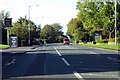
x,y
4,46
101,45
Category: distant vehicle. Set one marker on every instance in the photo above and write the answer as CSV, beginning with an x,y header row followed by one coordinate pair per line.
x,y
66,41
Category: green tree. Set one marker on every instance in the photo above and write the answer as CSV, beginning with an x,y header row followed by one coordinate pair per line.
x,y
75,29
107,12
48,32
97,16
52,33
20,28
88,14
58,32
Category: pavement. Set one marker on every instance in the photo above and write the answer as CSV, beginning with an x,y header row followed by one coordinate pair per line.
x,y
18,49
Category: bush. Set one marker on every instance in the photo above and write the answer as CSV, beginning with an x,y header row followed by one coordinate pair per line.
x,y
99,41
112,40
102,41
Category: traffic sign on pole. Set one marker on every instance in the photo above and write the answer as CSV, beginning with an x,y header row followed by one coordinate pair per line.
x,y
8,22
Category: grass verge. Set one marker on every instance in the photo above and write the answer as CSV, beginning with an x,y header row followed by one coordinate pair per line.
x,y
104,46
4,46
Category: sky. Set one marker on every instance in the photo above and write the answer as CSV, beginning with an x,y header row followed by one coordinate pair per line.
x,y
47,11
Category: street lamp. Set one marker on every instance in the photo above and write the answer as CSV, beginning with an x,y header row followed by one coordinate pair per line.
x,y
29,22
115,23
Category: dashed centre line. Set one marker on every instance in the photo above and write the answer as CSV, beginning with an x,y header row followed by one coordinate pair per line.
x,y
65,62
57,52
76,74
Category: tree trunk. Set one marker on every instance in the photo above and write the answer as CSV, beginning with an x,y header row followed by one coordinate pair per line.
x,y
110,35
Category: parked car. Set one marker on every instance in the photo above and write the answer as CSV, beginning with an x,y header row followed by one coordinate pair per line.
x,y
66,41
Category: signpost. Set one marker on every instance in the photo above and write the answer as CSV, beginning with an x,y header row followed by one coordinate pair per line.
x,y
8,24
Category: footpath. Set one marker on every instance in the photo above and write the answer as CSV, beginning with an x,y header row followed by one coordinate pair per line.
x,y
18,49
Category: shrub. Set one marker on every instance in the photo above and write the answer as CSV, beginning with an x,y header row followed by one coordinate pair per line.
x,y
102,41
111,39
99,41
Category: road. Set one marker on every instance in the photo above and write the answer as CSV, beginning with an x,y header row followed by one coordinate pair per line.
x,y
67,62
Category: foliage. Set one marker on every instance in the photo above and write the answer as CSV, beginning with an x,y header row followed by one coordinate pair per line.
x,y
87,14
75,29
102,41
47,32
52,33
111,39
98,16
20,28
58,32
4,46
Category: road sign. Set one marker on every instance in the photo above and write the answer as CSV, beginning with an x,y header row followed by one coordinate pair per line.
x,y
8,22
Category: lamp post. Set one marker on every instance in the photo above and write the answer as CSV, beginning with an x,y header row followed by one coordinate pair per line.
x,y
115,23
29,22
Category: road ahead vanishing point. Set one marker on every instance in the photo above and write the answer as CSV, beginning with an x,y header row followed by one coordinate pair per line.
x,y
58,61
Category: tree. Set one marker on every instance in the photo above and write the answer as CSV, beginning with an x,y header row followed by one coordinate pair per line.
x,y
75,29
88,13
58,32
107,11
52,33
97,16
48,32
20,28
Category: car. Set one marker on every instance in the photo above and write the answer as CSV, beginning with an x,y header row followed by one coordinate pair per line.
x,y
66,41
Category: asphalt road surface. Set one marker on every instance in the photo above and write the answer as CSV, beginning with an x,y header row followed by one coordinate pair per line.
x,y
63,62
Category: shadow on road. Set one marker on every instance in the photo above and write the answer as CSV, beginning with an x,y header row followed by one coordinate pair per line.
x,y
86,63
35,64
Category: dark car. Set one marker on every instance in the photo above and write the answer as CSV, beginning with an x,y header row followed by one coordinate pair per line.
x,y
66,41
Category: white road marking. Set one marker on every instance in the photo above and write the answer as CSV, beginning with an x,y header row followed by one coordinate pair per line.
x,y
113,59
100,74
66,62
12,62
92,52
58,52
76,74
